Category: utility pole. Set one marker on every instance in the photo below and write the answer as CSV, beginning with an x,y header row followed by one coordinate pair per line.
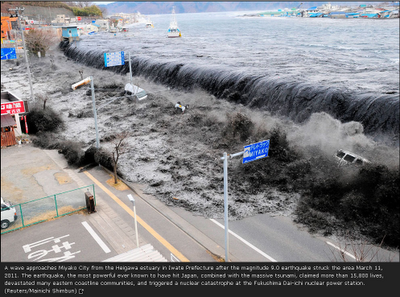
x,y
95,113
17,11
84,82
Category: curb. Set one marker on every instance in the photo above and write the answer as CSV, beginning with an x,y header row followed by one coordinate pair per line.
x,y
199,237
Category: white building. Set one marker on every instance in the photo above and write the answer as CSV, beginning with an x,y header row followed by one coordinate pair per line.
x,y
63,19
104,24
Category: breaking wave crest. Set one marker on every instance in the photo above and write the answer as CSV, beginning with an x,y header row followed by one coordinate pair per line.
x,y
379,114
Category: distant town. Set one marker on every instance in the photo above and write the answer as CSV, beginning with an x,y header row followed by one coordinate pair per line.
x,y
95,17
84,25
58,21
385,10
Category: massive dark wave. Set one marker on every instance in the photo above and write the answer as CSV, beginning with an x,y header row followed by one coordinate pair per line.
x,y
379,114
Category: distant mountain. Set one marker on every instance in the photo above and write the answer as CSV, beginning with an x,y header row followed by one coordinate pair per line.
x,y
193,7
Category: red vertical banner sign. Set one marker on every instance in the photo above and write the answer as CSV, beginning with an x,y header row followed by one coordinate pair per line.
x,y
26,125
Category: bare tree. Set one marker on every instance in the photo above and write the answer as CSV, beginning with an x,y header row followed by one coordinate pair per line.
x,y
40,40
118,149
358,251
43,97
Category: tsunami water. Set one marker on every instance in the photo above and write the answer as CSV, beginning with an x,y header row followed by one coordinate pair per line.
x,y
291,67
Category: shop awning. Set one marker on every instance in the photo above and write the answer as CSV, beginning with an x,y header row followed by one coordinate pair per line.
x,y
7,120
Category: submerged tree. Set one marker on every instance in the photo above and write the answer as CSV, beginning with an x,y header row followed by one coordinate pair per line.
x,y
40,40
118,149
43,97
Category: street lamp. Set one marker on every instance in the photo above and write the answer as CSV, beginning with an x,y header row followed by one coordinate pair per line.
x,y
17,11
84,82
134,211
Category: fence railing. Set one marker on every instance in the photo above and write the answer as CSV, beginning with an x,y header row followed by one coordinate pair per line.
x,y
50,207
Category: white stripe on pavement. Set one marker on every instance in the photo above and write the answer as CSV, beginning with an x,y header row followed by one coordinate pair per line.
x,y
246,242
96,237
341,250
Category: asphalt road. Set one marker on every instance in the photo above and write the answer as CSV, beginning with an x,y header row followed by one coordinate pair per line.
x,y
280,239
63,239
169,229
276,238
284,241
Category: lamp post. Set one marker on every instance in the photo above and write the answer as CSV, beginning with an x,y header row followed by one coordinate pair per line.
x,y
95,113
84,82
134,211
17,10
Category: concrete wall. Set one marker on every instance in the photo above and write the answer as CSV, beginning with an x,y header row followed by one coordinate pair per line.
x,y
47,13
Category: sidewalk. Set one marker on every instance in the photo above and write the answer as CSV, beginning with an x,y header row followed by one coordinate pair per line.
x,y
198,238
106,221
32,173
114,219
153,225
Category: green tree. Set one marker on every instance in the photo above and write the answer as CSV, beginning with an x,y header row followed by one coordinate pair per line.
x,y
87,11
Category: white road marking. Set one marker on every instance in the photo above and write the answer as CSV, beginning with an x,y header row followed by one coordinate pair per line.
x,y
96,237
28,247
341,250
246,242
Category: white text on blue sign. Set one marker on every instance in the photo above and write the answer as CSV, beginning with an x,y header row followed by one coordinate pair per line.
x,y
256,151
8,53
114,59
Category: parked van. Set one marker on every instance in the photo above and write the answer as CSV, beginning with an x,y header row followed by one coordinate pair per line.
x,y
8,214
346,158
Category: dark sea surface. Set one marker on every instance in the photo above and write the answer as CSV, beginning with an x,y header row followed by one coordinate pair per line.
x,y
294,67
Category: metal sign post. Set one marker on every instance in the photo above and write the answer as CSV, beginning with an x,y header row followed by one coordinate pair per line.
x,y
135,90
226,206
225,158
251,152
130,69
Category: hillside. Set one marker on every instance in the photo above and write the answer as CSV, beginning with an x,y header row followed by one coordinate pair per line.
x,y
40,10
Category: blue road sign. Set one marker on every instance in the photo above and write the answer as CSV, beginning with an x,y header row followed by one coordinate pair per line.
x,y
8,53
114,59
255,151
